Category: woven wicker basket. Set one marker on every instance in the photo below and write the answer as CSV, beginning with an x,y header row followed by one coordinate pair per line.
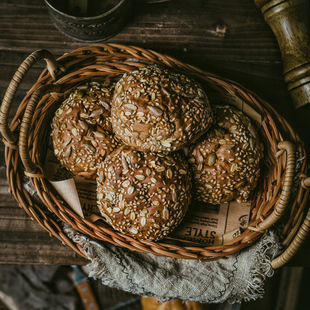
x,y
283,182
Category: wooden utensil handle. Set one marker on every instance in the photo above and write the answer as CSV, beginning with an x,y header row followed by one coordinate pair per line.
x,y
290,22
149,303
87,296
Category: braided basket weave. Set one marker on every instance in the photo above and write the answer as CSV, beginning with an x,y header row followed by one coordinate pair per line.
x,y
281,194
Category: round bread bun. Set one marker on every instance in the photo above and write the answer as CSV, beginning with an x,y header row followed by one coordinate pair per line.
x,y
82,130
226,161
143,195
154,109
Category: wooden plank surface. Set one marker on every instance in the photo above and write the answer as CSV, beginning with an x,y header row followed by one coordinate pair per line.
x,y
24,241
227,37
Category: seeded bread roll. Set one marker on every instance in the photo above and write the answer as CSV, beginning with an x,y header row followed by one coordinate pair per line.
x,y
226,161
157,110
143,195
82,130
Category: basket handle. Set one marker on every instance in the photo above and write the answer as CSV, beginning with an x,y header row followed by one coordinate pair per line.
x,y
299,237
281,205
294,245
286,190
30,167
52,65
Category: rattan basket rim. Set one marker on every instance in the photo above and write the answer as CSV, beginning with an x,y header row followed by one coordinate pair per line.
x,y
115,59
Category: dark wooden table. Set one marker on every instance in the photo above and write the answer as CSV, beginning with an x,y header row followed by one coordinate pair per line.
x,y
227,37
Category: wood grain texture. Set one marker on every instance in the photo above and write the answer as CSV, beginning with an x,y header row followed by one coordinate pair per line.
x,y
23,241
226,37
289,290
230,31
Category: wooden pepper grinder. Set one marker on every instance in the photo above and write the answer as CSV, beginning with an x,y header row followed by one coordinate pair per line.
x,y
290,22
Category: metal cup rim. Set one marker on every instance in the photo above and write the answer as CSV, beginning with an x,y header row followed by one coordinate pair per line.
x,y
78,18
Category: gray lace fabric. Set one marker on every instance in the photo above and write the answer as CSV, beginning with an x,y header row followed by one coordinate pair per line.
x,y
240,277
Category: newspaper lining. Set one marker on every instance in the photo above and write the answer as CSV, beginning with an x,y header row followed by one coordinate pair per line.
x,y
213,224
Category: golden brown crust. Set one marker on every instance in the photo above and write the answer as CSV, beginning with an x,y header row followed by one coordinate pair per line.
x,y
144,195
226,161
82,130
156,110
